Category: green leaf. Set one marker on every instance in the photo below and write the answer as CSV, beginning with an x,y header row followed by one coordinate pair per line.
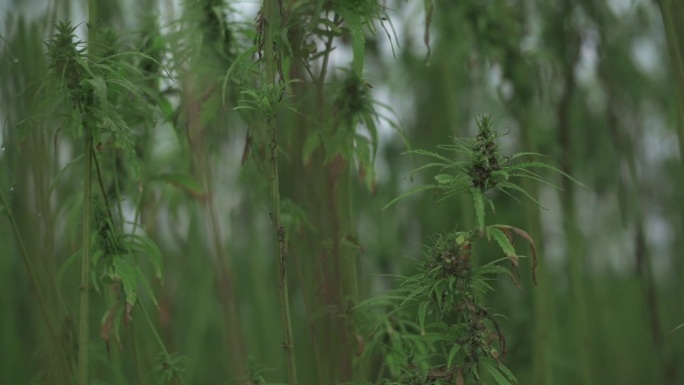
x,y
99,88
452,354
358,39
166,108
548,167
126,272
495,369
149,249
478,202
444,178
407,193
503,186
331,25
422,312
503,241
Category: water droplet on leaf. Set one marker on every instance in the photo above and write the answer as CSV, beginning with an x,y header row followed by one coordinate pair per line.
x,y
16,60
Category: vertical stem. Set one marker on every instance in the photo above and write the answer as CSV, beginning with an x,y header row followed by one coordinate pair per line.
x,y
83,334
271,15
42,303
673,22
543,306
83,327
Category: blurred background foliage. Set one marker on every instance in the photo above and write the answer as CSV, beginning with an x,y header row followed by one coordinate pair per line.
x,y
597,86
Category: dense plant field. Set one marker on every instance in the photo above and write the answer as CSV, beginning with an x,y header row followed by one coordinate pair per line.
x,y
342,192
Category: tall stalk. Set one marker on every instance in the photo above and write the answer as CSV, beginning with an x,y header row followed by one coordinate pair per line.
x,y
568,41
83,330
673,22
42,303
271,15
84,327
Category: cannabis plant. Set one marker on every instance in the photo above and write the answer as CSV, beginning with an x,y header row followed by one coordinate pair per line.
x,y
436,327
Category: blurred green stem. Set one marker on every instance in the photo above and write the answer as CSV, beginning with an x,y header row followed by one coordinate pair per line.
x,y
165,351
42,303
271,14
83,326
83,335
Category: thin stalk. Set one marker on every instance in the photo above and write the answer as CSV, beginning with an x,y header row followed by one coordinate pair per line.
x,y
83,334
668,9
226,281
42,303
83,326
673,22
271,15
543,306
167,356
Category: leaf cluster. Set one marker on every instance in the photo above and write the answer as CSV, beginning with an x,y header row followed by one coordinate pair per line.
x,y
433,329
476,166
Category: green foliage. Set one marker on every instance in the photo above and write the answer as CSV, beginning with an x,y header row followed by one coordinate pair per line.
x,y
438,329
477,167
227,153
433,329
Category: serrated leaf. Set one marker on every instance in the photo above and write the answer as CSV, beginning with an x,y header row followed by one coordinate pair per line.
x,y
533,249
478,204
358,39
422,313
452,354
504,243
150,250
524,165
126,272
499,376
407,193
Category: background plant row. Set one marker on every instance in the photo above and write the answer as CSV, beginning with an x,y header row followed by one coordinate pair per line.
x,y
184,149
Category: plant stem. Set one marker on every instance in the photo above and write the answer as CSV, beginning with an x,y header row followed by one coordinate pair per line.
x,y
83,325
271,14
165,351
83,335
42,303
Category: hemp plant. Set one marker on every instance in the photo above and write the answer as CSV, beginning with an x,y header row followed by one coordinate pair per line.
x,y
436,328
101,101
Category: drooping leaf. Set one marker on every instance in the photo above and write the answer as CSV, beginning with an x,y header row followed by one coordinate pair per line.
x,y
504,243
126,272
145,246
478,202
494,368
354,23
407,193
